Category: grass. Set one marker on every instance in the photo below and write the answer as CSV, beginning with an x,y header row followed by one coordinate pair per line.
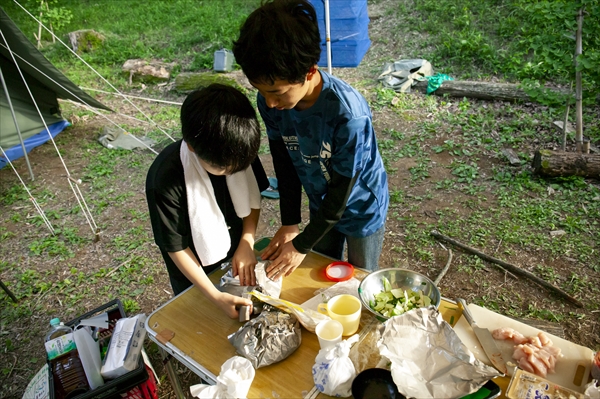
x,y
517,39
493,206
183,31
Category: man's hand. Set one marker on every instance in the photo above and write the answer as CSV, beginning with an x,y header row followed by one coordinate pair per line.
x,y
243,263
284,235
287,261
230,304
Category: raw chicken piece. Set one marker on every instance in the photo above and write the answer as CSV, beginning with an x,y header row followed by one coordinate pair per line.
x,y
525,365
545,357
553,350
535,354
544,339
528,349
519,353
535,341
509,333
539,366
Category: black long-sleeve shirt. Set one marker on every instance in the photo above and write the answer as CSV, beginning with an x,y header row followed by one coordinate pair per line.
x,y
290,192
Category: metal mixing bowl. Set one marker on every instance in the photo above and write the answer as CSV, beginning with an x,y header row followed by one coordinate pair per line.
x,y
399,278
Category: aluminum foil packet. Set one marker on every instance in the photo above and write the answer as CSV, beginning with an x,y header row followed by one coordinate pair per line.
x,y
232,286
269,338
428,359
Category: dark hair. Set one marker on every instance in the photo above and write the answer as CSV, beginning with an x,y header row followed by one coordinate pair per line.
x,y
279,41
220,124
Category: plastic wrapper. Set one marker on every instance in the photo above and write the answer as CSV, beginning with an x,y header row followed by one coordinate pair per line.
x,y
428,359
125,347
308,318
525,385
365,353
349,287
268,338
592,390
234,381
333,371
267,286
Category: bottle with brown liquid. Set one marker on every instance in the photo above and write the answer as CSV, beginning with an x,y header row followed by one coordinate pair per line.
x,y
57,329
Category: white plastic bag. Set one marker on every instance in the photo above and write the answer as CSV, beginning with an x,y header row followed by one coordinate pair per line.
x,y
234,381
125,347
333,371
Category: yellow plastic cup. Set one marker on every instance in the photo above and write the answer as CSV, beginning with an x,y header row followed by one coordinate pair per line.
x,y
344,308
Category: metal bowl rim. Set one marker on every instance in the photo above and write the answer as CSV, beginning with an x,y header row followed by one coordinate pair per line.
x,y
381,271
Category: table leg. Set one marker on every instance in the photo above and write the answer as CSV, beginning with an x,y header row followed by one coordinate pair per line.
x,y
168,363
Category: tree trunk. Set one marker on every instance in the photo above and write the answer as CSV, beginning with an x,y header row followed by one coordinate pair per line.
x,y
481,90
558,163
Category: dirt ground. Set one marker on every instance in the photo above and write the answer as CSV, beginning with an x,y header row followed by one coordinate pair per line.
x,y
22,353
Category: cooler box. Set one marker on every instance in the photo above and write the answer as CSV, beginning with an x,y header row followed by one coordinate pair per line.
x,y
111,388
349,31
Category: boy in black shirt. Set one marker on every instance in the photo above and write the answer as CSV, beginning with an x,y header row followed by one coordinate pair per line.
x,y
203,193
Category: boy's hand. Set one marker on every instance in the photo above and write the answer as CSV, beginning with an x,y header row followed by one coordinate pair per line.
x,y
287,261
230,304
284,235
243,263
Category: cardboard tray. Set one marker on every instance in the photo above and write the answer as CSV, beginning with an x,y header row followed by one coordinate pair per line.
x,y
111,388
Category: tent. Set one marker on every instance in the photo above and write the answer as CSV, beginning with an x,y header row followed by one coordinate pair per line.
x,y
20,122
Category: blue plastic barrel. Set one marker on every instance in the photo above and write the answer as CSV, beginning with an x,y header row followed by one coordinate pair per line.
x,y
349,31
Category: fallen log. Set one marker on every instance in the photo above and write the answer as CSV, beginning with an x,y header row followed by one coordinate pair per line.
x,y
561,163
482,90
187,82
515,269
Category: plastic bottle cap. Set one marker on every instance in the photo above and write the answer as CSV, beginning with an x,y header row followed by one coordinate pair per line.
x,y
339,271
55,321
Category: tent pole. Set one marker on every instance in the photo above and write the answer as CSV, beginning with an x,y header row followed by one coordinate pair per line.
x,y
14,116
327,36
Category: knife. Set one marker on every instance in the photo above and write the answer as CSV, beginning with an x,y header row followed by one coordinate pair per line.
x,y
485,339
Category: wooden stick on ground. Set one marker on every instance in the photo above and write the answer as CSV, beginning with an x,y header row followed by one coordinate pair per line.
x,y
117,267
512,268
8,292
445,269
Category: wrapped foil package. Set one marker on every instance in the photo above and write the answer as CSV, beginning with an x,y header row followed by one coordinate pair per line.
x,y
268,338
232,286
428,359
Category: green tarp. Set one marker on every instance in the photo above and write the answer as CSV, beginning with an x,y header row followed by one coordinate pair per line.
x,y
45,82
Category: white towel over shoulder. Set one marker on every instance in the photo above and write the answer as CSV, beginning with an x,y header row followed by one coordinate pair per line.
x,y
209,230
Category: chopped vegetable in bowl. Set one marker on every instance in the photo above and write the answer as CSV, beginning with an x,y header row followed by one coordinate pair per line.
x,y
395,301
385,288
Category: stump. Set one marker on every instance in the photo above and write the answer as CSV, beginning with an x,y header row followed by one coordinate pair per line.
x,y
560,163
85,40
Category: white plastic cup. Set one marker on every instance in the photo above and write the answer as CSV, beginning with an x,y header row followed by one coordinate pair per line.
x,y
329,333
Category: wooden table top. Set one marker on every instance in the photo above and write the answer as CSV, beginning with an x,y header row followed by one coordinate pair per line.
x,y
201,329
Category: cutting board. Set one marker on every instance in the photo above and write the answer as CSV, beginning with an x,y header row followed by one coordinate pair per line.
x,y
572,370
